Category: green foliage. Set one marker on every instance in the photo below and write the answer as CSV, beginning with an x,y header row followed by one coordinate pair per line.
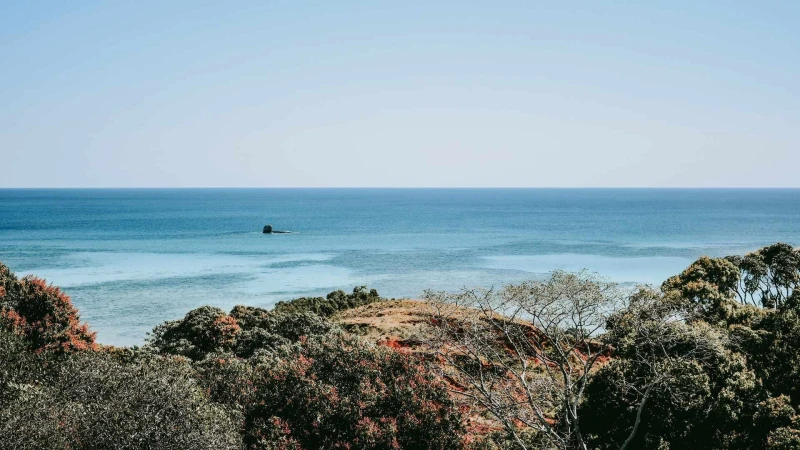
x,y
288,325
705,403
772,344
338,391
228,380
334,390
717,286
20,368
709,285
682,373
741,391
247,329
759,308
207,330
99,400
201,331
769,275
784,439
334,302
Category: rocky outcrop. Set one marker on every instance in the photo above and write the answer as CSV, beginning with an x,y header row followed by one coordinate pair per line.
x,y
269,230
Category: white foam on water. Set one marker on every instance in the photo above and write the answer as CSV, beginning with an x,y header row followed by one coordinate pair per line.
x,y
271,281
91,268
649,269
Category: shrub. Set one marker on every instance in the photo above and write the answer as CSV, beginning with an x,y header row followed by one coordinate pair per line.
x,y
201,331
338,390
228,380
42,314
334,302
101,400
20,368
246,330
288,325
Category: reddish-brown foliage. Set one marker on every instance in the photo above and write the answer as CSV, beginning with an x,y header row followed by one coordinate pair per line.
x,y
42,314
340,392
12,321
224,330
395,343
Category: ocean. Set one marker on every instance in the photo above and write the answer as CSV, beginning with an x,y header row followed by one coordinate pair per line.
x,y
132,258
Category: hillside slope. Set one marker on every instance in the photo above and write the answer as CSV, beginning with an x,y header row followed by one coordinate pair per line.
x,y
395,323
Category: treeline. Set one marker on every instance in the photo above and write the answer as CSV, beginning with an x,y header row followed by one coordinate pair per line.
x,y
710,360
334,302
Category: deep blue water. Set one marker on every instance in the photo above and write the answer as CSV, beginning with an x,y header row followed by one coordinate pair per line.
x,y
133,258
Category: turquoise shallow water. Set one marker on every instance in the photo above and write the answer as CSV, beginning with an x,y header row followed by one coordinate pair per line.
x,y
133,258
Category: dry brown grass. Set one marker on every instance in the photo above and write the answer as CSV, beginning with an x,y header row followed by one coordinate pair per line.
x,y
400,324
396,320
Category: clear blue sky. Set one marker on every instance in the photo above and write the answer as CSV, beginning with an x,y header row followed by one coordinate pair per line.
x,y
670,93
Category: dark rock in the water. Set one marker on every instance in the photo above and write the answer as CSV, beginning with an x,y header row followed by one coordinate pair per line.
x,y
268,230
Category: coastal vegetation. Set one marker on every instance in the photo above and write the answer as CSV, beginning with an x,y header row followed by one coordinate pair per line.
x,y
332,303
708,360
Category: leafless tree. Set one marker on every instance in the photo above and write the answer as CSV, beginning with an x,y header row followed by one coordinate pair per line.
x,y
526,352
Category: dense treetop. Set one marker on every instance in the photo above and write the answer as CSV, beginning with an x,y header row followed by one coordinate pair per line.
x,y
334,302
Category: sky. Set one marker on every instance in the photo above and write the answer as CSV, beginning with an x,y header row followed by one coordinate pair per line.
x,y
400,94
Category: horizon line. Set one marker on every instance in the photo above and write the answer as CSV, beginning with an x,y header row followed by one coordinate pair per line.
x,y
391,187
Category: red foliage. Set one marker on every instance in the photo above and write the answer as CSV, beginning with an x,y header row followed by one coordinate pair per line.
x,y
224,329
395,343
338,392
43,314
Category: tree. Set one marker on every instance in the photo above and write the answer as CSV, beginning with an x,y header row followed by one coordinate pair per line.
x,y
768,276
528,352
771,341
756,299
764,278
525,353
673,378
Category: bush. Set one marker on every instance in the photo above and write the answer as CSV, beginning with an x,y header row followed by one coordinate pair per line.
x,y
42,314
228,380
288,325
203,330
207,330
104,400
338,390
20,368
334,302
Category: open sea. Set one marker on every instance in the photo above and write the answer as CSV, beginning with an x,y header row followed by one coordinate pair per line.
x,y
132,258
